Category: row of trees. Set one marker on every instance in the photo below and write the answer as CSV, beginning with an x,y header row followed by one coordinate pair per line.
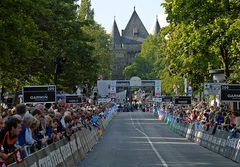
x,y
201,35
34,33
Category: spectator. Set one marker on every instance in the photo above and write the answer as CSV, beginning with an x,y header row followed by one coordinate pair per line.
x,y
233,120
226,121
30,123
48,131
1,123
56,135
8,137
21,109
28,120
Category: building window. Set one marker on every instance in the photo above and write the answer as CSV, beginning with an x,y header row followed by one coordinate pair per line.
x,y
135,31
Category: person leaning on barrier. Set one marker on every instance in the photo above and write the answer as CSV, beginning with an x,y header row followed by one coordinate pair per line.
x,y
8,137
38,133
68,126
226,122
1,122
234,125
56,135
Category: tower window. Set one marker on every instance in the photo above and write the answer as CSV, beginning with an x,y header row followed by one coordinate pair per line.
x,y
135,31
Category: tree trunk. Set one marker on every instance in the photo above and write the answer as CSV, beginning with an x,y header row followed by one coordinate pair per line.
x,y
225,60
15,98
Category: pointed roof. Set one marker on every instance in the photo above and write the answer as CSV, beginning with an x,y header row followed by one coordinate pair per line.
x,y
156,28
116,38
135,27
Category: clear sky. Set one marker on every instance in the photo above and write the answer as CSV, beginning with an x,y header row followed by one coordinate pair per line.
x,y
147,10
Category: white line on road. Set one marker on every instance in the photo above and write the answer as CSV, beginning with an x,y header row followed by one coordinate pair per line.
x,y
151,144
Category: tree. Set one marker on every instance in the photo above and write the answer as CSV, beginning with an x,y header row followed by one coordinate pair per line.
x,y
85,12
215,18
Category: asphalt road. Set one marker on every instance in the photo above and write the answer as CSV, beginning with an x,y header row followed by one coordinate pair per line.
x,y
137,139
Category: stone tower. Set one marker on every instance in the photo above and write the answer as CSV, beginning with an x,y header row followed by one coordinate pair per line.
x,y
156,28
127,45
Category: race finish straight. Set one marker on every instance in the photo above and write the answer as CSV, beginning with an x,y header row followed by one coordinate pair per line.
x,y
150,143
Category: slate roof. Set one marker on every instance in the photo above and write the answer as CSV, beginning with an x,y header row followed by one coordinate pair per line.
x,y
135,28
115,35
156,28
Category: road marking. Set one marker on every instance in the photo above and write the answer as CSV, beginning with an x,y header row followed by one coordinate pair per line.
x,y
151,144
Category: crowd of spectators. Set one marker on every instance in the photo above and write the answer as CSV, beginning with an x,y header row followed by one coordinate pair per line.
x,y
207,117
31,128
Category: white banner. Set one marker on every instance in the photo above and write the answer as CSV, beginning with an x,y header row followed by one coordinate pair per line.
x,y
103,87
113,89
135,81
157,88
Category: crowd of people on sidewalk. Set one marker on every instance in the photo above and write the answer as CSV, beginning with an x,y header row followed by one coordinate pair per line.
x,y
206,117
31,128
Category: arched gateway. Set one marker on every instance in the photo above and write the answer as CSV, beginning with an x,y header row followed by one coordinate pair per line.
x,y
113,88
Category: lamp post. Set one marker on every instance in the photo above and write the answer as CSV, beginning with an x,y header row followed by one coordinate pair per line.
x,y
218,75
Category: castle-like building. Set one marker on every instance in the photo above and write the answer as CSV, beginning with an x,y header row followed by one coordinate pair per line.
x,y
128,44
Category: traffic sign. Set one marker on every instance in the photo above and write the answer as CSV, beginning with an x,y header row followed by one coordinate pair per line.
x,y
212,88
189,91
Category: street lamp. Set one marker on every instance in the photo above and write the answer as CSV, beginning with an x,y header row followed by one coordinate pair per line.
x,y
218,75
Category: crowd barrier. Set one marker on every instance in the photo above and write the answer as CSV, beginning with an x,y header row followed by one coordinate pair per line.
x,y
219,142
66,152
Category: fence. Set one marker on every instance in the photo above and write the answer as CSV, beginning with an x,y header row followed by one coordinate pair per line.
x,y
219,142
66,152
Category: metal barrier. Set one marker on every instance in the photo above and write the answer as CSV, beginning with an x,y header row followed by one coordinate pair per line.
x,y
65,152
218,142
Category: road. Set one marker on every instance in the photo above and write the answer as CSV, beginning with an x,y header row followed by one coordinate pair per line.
x,y
137,139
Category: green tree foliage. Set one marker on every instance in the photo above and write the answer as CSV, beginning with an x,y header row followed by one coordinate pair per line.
x,y
200,34
86,13
214,20
102,56
34,33
19,44
145,64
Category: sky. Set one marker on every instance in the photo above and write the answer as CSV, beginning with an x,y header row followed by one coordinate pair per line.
x,y
147,10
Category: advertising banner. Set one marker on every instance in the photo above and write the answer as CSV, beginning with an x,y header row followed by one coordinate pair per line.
x,y
167,99
184,100
39,94
230,92
157,88
103,87
113,89
73,99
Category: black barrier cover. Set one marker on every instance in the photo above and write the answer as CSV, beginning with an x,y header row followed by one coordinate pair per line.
x,y
167,98
230,93
39,94
182,100
73,99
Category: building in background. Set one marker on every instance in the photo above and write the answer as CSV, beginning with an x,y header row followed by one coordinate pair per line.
x,y
128,44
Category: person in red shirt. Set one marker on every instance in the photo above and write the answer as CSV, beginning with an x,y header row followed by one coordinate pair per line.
x,y
8,137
